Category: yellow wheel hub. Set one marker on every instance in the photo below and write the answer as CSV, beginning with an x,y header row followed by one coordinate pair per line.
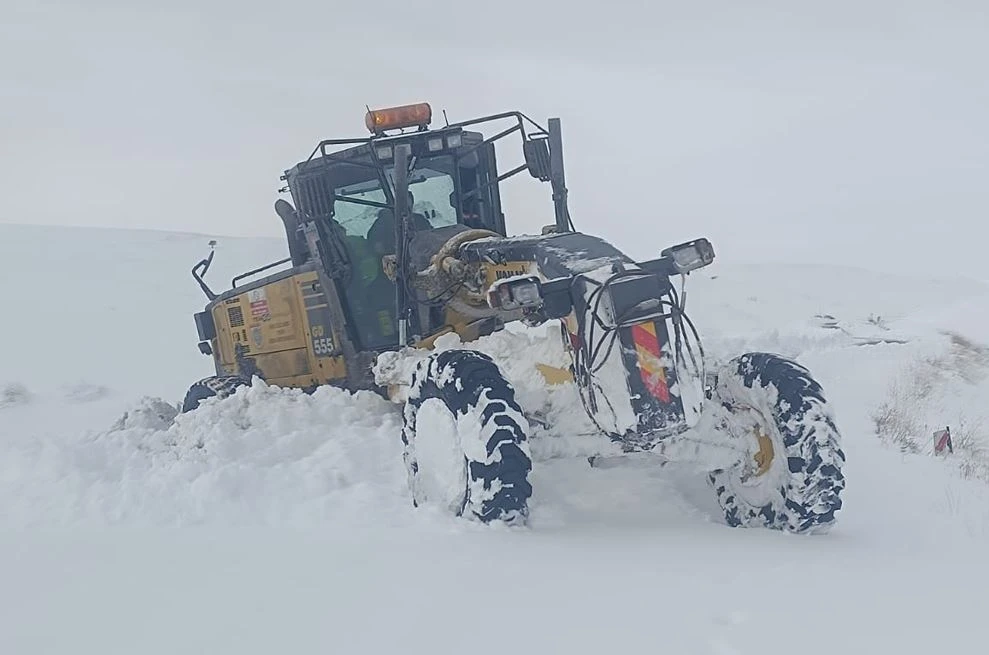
x,y
763,458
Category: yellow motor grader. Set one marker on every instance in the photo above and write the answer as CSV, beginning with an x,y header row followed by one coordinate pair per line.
x,y
398,237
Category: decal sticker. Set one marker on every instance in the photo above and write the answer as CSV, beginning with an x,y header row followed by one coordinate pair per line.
x,y
259,304
322,342
322,346
256,336
650,360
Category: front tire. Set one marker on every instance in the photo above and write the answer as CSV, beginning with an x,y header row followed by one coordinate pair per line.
x,y
796,480
465,439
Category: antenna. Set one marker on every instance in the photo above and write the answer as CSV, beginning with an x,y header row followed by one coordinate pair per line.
x,y
445,119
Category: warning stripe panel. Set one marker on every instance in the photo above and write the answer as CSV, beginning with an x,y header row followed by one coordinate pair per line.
x,y
650,360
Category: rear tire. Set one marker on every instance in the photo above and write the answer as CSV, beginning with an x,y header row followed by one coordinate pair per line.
x,y
216,386
799,489
465,439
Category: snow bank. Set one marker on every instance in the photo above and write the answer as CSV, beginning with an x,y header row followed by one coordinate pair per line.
x,y
263,456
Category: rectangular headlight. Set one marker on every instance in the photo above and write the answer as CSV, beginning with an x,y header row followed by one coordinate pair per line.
x,y
691,255
515,293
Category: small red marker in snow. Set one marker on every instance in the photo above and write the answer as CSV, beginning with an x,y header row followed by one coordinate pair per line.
x,y
942,440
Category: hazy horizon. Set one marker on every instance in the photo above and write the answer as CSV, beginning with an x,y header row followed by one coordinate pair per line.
x,y
848,132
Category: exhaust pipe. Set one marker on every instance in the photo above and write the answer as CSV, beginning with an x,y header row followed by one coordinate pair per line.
x,y
290,219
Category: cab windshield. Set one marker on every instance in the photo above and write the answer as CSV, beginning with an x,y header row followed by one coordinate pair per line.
x,y
361,208
431,184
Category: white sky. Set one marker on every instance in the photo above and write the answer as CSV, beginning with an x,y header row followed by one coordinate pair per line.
x,y
845,130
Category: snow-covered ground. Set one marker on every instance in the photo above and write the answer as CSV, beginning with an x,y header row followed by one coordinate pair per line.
x,y
280,522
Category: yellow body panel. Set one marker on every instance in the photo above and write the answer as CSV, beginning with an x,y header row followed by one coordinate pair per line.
x,y
284,327
284,330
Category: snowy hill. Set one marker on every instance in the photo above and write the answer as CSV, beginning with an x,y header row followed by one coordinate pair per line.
x,y
298,533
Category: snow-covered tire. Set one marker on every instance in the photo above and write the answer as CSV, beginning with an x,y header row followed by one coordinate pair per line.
x,y
465,438
217,386
801,490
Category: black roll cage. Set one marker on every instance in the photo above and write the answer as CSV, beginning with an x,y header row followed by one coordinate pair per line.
x,y
537,132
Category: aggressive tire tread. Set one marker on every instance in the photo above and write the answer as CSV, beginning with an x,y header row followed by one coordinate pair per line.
x,y
212,387
793,404
470,382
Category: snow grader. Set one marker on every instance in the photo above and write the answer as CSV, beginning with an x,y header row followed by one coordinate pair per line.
x,y
397,241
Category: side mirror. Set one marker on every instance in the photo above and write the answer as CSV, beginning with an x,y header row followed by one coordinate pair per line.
x,y
537,159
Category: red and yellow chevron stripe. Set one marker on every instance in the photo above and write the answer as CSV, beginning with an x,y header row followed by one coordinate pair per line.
x,y
650,360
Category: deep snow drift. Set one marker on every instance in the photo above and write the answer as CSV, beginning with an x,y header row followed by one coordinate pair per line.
x,y
298,533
